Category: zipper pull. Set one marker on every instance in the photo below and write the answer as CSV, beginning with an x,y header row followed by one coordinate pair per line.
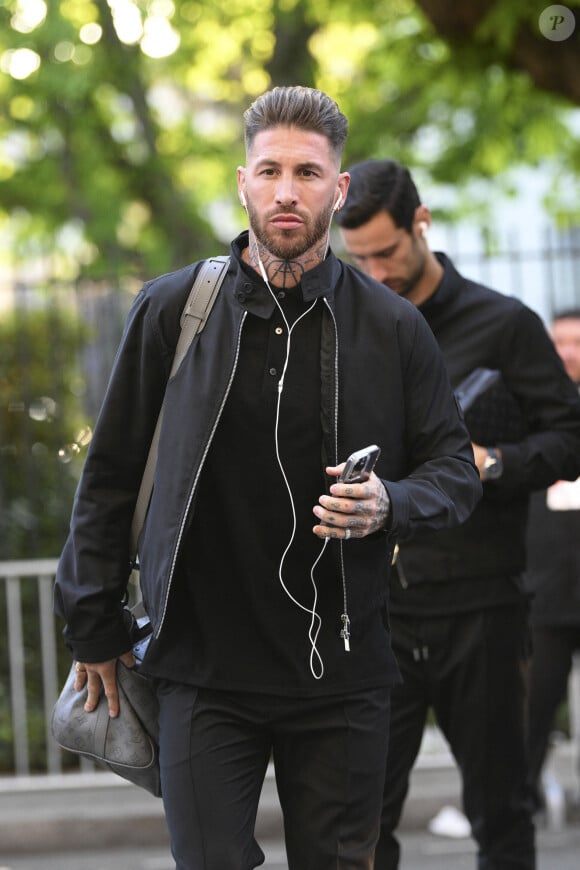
x,y
345,631
397,562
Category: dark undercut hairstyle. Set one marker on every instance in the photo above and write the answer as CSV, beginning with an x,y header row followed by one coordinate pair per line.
x,y
566,314
375,186
303,108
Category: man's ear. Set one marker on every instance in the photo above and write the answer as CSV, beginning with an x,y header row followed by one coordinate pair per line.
x,y
422,219
241,185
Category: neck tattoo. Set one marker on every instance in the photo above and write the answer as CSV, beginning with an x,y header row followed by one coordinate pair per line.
x,y
283,273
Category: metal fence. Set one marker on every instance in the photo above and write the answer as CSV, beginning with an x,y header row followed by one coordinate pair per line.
x,y
13,576
35,668
540,266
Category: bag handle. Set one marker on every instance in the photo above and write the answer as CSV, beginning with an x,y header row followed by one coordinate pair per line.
x,y
195,313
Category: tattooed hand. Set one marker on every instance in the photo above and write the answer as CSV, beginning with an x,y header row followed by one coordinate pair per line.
x,y
352,510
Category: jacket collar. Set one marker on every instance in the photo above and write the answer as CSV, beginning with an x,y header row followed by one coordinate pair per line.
x,y
448,286
253,294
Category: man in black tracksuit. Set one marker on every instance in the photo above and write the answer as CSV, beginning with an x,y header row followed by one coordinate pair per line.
x,y
458,606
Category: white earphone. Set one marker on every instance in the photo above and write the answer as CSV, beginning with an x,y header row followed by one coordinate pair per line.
x,y
338,202
243,200
423,226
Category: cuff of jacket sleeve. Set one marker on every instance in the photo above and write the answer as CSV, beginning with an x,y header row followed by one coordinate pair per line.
x,y
511,458
100,649
398,519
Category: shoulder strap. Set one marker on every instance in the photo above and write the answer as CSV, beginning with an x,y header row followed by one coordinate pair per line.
x,y
199,304
195,313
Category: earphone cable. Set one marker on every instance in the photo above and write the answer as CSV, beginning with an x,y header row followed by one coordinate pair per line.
x,y
316,620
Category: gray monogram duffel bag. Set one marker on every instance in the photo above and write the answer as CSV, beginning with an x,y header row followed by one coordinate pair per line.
x,y
128,744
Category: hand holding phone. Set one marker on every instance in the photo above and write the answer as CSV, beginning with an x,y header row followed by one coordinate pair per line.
x,y
347,516
359,465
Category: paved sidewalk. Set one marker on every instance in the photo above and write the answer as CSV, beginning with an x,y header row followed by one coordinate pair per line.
x,y
100,810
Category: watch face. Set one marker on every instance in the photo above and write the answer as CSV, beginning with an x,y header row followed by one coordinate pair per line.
x,y
493,466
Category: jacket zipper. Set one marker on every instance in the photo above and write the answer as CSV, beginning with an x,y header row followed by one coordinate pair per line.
x,y
194,485
344,617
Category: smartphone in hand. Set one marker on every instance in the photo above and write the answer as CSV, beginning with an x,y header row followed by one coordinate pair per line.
x,y
359,465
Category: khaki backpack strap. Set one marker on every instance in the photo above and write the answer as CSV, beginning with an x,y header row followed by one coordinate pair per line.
x,y
200,302
195,313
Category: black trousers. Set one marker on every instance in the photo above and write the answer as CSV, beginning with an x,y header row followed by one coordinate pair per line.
x,y
553,648
471,669
329,757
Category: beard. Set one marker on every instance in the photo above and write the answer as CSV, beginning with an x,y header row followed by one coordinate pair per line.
x,y
291,244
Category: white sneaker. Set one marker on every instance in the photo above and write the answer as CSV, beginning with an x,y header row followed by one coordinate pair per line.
x,y
450,822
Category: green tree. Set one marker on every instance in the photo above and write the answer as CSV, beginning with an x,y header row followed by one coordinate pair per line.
x,y
120,120
485,31
43,431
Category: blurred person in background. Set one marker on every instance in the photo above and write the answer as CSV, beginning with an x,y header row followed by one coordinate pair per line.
x,y
553,579
459,610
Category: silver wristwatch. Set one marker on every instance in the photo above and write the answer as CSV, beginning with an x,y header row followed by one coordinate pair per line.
x,y
493,465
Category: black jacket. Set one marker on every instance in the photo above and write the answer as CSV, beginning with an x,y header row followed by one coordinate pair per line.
x,y
383,380
475,326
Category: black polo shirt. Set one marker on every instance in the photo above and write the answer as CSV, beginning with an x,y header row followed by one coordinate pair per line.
x,y
241,616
